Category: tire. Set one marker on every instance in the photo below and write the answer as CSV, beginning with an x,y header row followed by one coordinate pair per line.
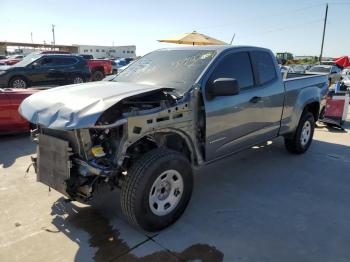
x,y
142,189
18,82
78,79
97,75
302,138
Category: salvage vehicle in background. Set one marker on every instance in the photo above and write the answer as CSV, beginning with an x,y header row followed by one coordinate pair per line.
x,y
166,113
10,120
11,60
331,71
345,72
45,69
99,67
120,63
300,69
346,80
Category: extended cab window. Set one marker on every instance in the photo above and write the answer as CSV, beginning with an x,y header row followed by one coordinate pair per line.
x,y
235,65
265,66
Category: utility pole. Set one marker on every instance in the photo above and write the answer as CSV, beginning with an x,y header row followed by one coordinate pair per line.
x,y
233,37
324,32
31,36
53,34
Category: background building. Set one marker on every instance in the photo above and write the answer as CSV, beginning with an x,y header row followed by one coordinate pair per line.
x,y
107,51
26,48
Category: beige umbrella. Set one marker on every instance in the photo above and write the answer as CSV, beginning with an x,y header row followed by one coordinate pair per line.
x,y
193,38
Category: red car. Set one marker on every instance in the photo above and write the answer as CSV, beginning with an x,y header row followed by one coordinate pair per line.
x,y
10,119
11,60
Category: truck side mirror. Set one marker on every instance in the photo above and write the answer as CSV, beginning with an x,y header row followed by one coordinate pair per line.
x,y
224,87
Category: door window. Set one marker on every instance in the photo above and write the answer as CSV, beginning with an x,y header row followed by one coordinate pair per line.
x,y
265,66
237,66
45,62
66,61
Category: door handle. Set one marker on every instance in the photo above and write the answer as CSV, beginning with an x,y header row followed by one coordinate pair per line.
x,y
255,99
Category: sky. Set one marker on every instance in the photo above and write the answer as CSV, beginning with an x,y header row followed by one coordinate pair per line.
x,y
295,26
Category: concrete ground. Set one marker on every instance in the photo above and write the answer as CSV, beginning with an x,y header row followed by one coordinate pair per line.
x,y
260,205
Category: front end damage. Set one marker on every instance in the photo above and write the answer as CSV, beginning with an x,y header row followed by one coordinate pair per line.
x,y
76,162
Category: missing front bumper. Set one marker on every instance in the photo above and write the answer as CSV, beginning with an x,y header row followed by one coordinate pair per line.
x,y
53,163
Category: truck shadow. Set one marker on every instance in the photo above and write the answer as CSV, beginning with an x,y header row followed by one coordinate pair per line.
x,y
260,205
106,240
13,147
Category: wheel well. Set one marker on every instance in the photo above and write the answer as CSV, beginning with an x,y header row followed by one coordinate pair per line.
x,y
313,108
100,68
177,143
172,141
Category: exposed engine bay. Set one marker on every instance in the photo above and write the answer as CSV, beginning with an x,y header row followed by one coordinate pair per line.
x,y
75,162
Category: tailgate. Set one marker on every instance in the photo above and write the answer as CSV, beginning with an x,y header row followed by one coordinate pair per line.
x,y
53,162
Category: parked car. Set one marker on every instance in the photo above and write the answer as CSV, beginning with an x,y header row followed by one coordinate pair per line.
x,y
11,60
2,57
10,120
167,112
284,69
299,69
99,67
345,72
346,80
120,63
45,69
331,71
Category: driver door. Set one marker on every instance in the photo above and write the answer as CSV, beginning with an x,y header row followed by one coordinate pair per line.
x,y
233,122
41,72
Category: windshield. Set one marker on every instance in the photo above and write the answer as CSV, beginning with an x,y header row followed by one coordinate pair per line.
x,y
27,60
320,69
176,69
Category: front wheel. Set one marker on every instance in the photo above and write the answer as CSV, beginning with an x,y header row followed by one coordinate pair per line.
x,y
18,82
157,189
302,138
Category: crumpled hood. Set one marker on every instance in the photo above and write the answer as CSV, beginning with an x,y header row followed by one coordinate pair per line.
x,y
77,106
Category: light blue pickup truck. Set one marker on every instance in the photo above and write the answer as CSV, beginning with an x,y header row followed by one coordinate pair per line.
x,y
145,129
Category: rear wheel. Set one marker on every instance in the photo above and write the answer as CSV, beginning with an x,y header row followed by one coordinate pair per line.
x,y
157,189
18,82
97,75
302,138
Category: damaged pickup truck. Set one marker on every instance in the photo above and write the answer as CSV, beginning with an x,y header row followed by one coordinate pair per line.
x,y
144,130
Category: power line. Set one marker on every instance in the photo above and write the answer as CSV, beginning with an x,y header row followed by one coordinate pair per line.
x,y
267,16
290,27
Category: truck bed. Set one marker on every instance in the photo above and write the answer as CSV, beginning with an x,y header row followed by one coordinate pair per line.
x,y
300,81
299,89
